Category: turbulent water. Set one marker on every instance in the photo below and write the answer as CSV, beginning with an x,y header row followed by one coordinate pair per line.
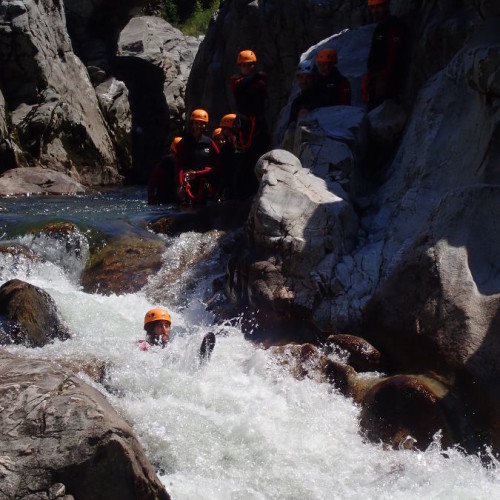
x,y
238,427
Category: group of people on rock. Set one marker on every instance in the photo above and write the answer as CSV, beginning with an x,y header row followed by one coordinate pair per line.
x,y
201,168
321,84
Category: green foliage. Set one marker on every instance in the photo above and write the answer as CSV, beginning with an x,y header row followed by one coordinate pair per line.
x,y
190,16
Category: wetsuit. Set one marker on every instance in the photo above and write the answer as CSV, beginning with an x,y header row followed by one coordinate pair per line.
x,y
387,61
334,89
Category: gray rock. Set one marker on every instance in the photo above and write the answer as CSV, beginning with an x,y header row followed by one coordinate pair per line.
x,y
63,128
36,181
60,436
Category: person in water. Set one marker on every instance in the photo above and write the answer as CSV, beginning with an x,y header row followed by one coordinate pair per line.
x,y
157,323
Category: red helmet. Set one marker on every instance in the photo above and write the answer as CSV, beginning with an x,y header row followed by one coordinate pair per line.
x,y
246,56
327,55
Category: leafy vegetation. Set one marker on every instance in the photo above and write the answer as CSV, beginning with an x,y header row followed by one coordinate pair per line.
x,y
190,16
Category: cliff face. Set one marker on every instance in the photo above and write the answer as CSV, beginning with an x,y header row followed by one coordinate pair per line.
x,y
82,92
420,282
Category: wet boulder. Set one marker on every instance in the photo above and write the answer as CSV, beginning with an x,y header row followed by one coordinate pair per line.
x,y
59,436
123,265
29,315
406,411
359,353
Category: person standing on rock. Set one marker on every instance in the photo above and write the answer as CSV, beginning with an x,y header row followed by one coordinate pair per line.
x,y
308,97
157,323
333,88
388,57
195,162
249,88
161,185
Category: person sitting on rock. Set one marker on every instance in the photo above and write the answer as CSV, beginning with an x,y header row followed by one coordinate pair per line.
x,y
195,162
249,88
388,57
161,185
333,88
157,324
308,97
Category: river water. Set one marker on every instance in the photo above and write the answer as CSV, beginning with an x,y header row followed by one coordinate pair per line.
x,y
238,427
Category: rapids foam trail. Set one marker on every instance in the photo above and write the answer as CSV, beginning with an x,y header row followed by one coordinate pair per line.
x,y
238,427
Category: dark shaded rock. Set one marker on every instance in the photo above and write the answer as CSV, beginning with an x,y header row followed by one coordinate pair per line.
x,y
60,436
123,265
362,356
223,216
405,411
29,315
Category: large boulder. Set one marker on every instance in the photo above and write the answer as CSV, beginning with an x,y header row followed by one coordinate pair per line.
x,y
53,110
29,315
60,436
296,231
450,276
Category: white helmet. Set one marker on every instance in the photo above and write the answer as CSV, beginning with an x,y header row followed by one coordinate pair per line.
x,y
306,67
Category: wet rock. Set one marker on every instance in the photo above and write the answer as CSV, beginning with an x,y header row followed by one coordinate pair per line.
x,y
338,374
29,315
361,355
17,250
406,411
60,437
123,265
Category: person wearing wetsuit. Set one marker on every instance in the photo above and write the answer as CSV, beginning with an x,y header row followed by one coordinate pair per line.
x,y
333,88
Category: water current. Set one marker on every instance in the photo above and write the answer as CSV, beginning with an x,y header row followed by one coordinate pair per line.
x,y
238,427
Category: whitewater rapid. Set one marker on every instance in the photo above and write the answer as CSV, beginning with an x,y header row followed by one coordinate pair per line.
x,y
239,427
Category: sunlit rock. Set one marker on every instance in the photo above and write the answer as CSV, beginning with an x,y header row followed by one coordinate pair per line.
x,y
60,436
294,225
53,110
29,315
38,180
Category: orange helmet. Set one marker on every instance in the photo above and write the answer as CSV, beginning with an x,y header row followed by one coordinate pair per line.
x,y
371,3
156,315
246,56
216,132
199,115
327,55
227,120
173,146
